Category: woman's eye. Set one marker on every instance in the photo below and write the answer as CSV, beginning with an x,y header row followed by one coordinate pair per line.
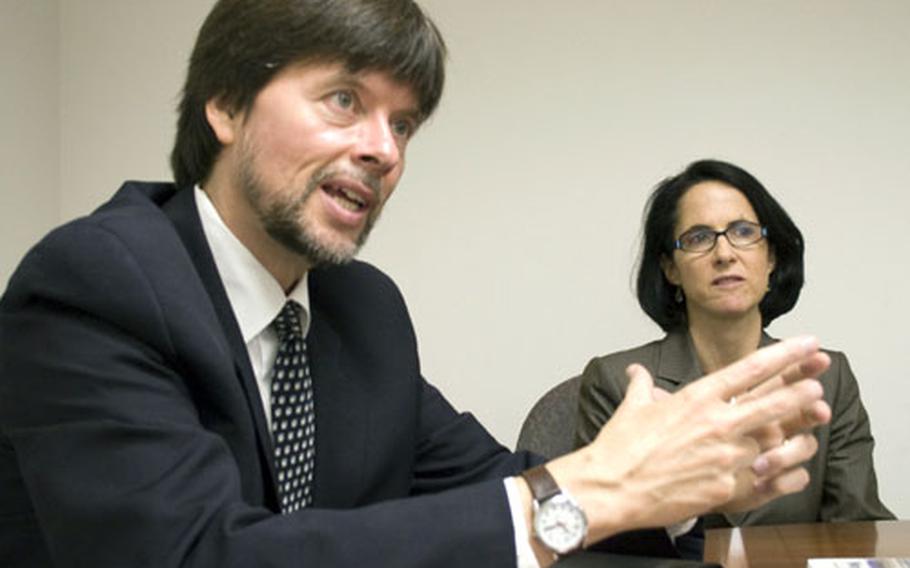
x,y
699,237
744,230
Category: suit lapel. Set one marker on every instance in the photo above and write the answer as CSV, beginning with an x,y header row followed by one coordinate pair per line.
x,y
343,410
181,209
342,404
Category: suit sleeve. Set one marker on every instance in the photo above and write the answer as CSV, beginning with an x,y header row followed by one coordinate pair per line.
x,y
119,470
455,450
850,486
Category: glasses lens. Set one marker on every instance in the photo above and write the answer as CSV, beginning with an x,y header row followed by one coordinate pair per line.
x,y
702,239
743,233
697,240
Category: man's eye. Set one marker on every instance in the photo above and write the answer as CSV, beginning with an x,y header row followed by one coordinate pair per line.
x,y
344,99
403,128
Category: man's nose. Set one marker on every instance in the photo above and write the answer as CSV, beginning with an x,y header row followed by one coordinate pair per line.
x,y
377,147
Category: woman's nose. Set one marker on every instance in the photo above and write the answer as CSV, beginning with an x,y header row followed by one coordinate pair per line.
x,y
723,250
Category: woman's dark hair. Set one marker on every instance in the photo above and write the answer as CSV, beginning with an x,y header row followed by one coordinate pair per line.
x,y
243,44
656,294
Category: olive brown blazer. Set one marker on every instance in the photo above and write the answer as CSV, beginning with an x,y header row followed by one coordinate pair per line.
x,y
843,486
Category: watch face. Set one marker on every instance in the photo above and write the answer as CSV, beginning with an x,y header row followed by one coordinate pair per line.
x,y
560,524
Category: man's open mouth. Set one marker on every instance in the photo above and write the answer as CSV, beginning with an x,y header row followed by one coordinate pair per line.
x,y
345,197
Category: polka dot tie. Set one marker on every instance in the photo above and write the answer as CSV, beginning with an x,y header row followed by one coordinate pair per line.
x,y
293,415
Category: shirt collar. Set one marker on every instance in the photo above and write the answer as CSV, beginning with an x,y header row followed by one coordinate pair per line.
x,y
254,294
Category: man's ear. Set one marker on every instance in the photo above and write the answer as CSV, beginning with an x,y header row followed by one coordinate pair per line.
x,y
223,120
670,270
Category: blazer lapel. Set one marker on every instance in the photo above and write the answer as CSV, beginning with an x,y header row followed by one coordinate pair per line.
x,y
342,412
679,366
742,519
181,209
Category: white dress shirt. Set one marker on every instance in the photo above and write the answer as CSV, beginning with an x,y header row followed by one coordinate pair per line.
x,y
254,294
257,298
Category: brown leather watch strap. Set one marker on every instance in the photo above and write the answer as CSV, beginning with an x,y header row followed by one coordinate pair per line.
x,y
542,484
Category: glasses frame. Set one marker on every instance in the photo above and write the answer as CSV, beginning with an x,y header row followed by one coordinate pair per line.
x,y
763,234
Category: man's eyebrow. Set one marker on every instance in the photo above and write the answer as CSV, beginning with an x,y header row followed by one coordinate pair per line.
x,y
341,78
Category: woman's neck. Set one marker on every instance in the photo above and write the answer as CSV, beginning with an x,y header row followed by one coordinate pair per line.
x,y
719,343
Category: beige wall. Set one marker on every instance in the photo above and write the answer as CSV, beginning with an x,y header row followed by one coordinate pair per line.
x,y
514,231
29,126
123,63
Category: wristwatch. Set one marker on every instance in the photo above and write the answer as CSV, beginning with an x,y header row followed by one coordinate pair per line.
x,y
559,523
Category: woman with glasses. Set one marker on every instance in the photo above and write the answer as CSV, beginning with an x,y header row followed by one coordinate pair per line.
x,y
721,260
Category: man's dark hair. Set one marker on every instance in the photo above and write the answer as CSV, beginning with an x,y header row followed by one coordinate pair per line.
x,y
243,44
656,294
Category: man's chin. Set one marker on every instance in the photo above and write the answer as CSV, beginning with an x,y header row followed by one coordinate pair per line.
x,y
319,247
328,259
320,253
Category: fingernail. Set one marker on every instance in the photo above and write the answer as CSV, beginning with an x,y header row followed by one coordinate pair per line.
x,y
761,465
808,344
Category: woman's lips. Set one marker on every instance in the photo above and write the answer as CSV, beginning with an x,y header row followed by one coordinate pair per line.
x,y
727,280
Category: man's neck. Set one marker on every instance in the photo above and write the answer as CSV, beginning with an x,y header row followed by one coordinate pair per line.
x,y
284,265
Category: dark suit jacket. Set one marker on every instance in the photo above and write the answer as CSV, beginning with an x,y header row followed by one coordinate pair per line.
x,y
132,432
843,485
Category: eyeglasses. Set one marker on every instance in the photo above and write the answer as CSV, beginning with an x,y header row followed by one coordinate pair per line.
x,y
740,234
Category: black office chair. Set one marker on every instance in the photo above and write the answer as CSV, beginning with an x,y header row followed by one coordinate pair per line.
x,y
549,429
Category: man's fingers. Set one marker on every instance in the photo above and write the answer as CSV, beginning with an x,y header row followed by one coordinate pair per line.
x,y
811,367
641,385
792,452
787,482
783,404
809,417
773,434
756,368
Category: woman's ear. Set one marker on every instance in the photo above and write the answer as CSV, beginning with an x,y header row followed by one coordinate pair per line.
x,y
772,260
669,269
222,119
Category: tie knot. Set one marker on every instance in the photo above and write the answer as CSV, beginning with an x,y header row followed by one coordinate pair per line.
x,y
287,323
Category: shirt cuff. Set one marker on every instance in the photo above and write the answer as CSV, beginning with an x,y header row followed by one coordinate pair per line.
x,y
524,554
681,528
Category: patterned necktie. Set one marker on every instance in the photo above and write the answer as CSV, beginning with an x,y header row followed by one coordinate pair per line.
x,y
293,415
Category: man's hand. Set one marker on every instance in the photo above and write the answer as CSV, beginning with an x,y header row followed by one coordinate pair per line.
x,y
784,442
732,440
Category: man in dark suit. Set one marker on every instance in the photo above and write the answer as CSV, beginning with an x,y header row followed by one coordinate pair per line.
x,y
198,373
